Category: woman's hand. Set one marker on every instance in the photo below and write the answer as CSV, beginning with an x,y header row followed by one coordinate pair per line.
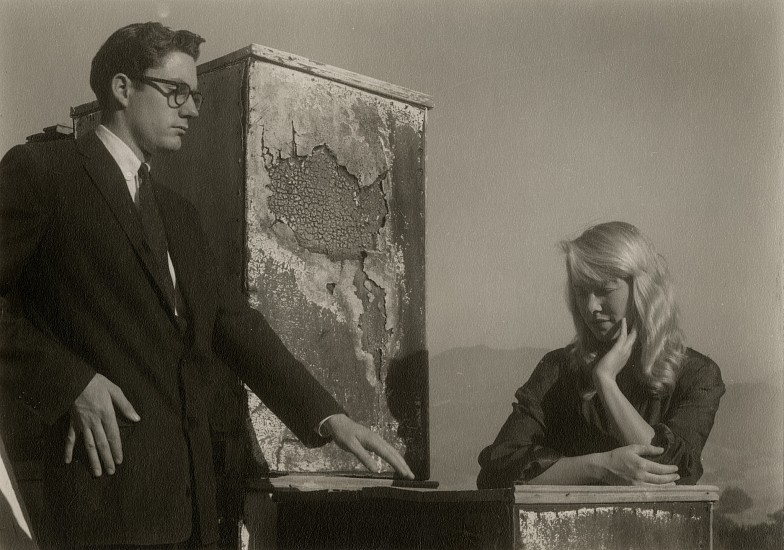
x,y
614,360
627,466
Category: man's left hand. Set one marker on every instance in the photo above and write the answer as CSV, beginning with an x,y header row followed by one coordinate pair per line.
x,y
358,440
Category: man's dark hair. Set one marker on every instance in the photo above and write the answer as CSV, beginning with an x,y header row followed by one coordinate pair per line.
x,y
132,50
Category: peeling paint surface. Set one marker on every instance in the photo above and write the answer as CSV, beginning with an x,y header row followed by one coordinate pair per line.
x,y
328,259
640,526
324,206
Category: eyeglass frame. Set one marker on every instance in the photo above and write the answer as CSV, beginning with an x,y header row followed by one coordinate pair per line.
x,y
198,98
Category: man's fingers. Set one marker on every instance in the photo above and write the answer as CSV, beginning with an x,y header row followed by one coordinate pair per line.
x,y
356,448
103,448
359,440
387,452
70,442
112,432
122,403
92,453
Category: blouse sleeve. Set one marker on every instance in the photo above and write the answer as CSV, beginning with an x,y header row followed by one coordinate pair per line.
x,y
685,427
518,453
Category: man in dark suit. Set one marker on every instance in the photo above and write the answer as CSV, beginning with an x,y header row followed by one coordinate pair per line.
x,y
112,310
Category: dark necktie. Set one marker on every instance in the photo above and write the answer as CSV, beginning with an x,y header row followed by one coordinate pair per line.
x,y
156,235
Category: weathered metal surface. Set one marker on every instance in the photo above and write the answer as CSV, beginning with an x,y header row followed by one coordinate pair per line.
x,y
322,71
328,254
642,526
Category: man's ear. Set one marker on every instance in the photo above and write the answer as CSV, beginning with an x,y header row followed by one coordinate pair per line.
x,y
122,87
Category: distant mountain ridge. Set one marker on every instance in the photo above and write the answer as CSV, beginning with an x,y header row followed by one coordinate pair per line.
x,y
471,394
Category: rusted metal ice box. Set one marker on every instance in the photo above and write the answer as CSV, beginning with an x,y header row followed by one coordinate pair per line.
x,y
310,181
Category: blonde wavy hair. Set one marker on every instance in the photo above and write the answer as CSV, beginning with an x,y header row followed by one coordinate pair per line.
x,y
618,250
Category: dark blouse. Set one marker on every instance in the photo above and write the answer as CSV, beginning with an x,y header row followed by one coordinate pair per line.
x,y
557,415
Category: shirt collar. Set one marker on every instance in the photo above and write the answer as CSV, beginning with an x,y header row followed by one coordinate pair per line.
x,y
125,158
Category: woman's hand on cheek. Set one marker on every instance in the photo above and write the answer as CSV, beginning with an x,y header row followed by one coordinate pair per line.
x,y
614,360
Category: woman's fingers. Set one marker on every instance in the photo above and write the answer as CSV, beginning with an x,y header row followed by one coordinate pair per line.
x,y
660,469
657,479
632,338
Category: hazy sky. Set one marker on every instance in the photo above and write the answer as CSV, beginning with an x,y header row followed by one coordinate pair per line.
x,y
549,116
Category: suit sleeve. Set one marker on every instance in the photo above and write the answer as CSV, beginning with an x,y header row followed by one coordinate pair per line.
x,y
245,341
520,451
34,366
686,426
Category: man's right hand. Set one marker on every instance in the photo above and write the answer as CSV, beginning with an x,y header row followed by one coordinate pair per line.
x,y
93,416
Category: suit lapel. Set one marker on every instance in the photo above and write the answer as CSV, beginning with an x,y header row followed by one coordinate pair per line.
x,y
108,178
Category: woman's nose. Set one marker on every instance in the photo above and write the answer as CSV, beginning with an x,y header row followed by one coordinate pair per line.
x,y
594,304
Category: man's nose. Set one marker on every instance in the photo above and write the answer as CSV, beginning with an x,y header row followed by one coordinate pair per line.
x,y
188,109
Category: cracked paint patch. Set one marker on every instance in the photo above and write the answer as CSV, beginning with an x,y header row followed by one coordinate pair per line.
x,y
354,119
324,205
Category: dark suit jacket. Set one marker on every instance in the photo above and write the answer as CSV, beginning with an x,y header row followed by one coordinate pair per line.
x,y
80,295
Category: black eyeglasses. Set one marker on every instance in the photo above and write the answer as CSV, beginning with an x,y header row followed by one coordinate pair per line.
x,y
179,94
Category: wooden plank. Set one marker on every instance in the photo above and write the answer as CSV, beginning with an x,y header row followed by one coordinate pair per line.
x,y
579,494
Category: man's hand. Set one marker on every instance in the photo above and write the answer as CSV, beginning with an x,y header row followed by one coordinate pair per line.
x,y
358,440
92,415
627,466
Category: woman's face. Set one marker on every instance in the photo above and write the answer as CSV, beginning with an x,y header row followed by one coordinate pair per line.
x,y
603,305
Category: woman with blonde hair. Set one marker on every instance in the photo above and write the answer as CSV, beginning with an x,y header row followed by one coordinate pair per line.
x,y
626,402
